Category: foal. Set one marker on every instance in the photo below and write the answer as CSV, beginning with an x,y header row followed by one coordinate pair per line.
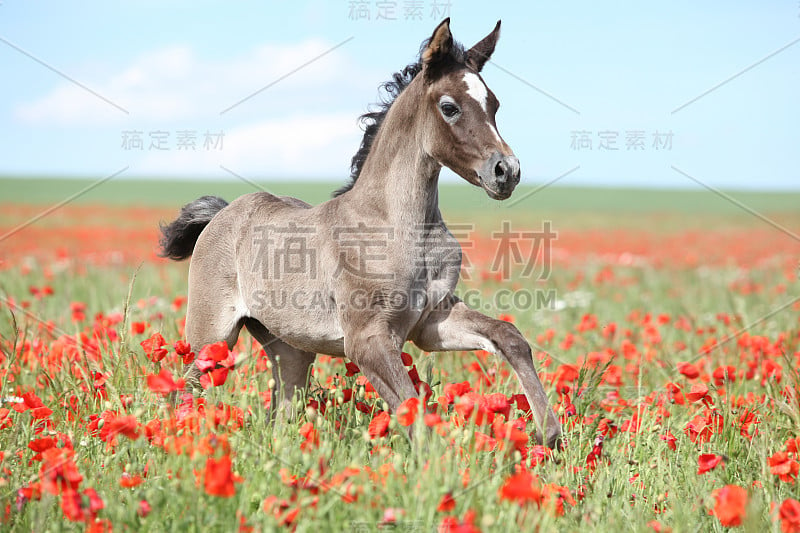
x,y
375,266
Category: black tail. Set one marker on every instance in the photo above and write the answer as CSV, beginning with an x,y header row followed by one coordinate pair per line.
x,y
178,238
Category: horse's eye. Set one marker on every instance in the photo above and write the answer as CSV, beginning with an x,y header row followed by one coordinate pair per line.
x,y
449,110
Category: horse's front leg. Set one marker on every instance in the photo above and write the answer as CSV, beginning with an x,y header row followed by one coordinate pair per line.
x,y
454,326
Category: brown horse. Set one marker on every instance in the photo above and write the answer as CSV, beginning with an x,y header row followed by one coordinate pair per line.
x,y
375,266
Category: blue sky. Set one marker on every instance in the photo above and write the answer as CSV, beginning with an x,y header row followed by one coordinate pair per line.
x,y
570,78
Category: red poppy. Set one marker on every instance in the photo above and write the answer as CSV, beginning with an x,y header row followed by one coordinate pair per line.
x,y
730,505
40,445
688,369
81,507
498,403
451,524
522,403
723,374
31,492
707,462
390,516
163,382
99,380
5,419
670,440
432,419
124,425
447,503
310,436
78,311
183,349
555,496
218,478
289,518
674,393
701,428
213,356
607,428
699,393
569,340
58,471
783,466
217,351
770,370
379,426
100,526
363,407
453,390
595,453
362,381
509,432
29,401
153,347
215,378
144,508
566,374
71,505
793,445
789,514
658,527
588,323
128,481
522,487
413,375
407,412
483,442
38,413
424,390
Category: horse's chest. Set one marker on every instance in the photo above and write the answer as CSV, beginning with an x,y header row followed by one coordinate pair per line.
x,y
440,266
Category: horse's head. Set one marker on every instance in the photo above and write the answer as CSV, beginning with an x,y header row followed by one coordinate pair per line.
x,y
461,130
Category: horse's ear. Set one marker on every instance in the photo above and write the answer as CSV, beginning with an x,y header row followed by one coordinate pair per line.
x,y
478,55
440,43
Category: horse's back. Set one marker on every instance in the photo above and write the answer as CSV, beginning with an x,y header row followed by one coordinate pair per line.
x,y
266,200
219,242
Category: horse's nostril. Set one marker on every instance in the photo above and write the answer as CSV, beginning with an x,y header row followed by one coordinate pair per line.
x,y
499,170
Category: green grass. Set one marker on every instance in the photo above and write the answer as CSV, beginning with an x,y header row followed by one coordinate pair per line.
x,y
639,479
661,317
567,207
453,197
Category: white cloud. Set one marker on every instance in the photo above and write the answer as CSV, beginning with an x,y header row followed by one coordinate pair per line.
x,y
303,126
175,83
299,146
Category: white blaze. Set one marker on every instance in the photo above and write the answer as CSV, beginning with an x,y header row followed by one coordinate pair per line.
x,y
494,131
476,89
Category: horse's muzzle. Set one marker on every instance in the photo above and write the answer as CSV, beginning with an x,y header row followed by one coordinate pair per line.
x,y
499,175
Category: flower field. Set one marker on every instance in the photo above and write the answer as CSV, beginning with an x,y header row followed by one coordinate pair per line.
x,y
670,351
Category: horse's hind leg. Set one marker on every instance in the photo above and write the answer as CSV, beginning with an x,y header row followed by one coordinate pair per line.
x,y
208,322
191,372
376,351
290,368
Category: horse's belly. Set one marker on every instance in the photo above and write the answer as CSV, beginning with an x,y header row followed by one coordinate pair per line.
x,y
304,317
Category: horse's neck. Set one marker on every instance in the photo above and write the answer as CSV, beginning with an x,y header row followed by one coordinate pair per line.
x,y
411,192
398,179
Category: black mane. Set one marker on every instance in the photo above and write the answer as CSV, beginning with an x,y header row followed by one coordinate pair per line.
x,y
372,120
